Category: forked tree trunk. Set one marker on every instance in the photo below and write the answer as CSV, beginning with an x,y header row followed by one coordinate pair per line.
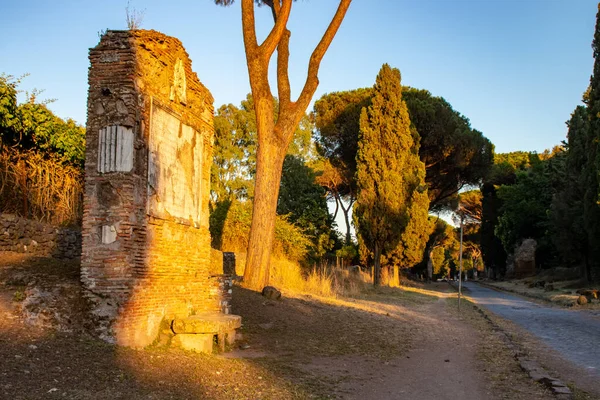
x,y
274,138
347,220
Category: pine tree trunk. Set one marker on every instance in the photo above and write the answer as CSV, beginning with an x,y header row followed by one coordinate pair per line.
x,y
586,268
377,266
429,253
262,232
347,220
336,196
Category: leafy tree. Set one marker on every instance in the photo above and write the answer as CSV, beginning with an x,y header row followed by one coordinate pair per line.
x,y
526,204
234,152
274,137
566,214
441,238
518,160
304,202
502,172
337,118
470,209
234,159
470,205
391,207
32,126
335,182
455,155
8,110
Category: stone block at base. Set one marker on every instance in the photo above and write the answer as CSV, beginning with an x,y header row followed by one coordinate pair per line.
x,y
200,343
207,322
230,337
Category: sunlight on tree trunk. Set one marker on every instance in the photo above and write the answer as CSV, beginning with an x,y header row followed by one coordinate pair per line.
x,y
274,137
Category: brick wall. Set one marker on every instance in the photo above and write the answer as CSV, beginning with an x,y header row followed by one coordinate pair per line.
x,y
146,244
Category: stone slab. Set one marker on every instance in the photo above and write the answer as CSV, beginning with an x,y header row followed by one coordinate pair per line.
x,y
208,322
199,343
561,390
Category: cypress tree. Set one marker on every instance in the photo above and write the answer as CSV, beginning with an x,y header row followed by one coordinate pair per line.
x,y
568,225
591,208
392,202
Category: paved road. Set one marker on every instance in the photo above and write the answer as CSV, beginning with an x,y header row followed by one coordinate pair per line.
x,y
575,335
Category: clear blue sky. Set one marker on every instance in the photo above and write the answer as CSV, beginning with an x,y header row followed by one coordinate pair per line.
x,y
515,68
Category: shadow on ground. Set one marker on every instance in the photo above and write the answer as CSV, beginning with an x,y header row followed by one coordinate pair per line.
x,y
39,362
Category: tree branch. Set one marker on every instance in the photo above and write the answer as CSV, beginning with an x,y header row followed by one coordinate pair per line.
x,y
283,13
296,109
248,27
283,55
312,79
283,79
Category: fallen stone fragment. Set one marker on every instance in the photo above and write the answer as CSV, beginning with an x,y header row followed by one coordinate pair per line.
x,y
561,390
271,293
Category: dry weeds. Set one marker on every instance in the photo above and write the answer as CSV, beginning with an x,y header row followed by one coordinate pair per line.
x,y
34,187
503,373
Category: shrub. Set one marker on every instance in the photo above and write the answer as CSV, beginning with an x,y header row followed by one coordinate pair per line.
x,y
290,242
41,188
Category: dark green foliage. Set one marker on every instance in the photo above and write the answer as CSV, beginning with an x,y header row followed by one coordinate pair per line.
x,y
575,211
32,126
502,173
390,213
218,215
455,155
305,204
494,256
234,168
567,211
234,152
591,211
8,110
337,119
524,205
441,241
524,212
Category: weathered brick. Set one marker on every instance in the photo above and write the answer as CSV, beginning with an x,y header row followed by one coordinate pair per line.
x,y
158,263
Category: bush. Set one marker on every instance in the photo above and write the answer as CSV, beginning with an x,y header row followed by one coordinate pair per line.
x,y
290,242
45,189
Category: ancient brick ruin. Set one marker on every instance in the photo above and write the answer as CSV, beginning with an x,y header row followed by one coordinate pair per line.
x,y
146,243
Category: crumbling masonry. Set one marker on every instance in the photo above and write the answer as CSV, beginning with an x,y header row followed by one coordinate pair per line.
x,y
146,243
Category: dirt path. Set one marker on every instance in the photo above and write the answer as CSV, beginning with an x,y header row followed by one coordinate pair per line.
x,y
442,365
387,344
433,352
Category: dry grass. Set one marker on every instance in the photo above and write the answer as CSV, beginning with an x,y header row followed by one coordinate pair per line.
x,y
34,187
503,373
324,280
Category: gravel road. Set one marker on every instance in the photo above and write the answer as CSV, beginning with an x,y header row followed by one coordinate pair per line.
x,y
574,334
